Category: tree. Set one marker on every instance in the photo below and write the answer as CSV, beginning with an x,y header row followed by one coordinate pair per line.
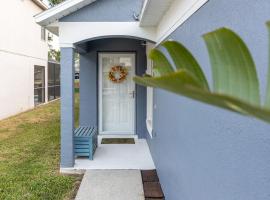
x,y
55,2
54,55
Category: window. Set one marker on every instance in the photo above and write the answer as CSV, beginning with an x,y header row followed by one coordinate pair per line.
x,y
53,81
39,84
150,95
43,34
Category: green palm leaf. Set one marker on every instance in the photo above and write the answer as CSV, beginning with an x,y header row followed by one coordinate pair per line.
x,y
267,103
234,71
236,86
183,59
161,64
183,83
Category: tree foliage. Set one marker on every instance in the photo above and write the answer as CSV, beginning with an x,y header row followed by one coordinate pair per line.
x,y
54,55
55,2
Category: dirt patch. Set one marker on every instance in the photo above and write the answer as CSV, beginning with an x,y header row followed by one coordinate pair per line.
x,y
73,193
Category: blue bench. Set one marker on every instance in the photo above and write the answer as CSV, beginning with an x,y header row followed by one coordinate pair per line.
x,y
85,141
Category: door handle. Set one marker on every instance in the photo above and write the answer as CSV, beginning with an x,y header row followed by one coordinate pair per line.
x,y
132,94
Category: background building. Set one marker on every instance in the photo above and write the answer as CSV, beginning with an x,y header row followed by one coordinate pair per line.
x,y
24,59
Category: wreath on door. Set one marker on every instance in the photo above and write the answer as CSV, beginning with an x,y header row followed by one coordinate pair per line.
x,y
118,74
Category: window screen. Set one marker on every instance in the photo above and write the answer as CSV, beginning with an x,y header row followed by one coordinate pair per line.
x,y
53,81
39,84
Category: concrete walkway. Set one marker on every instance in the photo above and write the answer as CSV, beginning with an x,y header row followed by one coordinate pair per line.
x,y
111,185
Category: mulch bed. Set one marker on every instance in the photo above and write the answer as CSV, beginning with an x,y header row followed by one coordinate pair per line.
x,y
151,185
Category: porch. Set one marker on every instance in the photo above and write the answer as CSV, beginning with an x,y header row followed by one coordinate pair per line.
x,y
116,156
116,109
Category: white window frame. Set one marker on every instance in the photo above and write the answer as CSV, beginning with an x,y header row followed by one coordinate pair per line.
x,y
150,94
43,34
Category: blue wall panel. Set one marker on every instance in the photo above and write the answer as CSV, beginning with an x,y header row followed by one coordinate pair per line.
x,y
203,152
88,90
106,11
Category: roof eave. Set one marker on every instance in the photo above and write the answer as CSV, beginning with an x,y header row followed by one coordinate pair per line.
x,y
153,11
63,9
40,4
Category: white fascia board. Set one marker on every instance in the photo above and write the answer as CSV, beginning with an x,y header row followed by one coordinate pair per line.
x,y
40,4
53,14
74,32
153,11
144,9
176,15
53,28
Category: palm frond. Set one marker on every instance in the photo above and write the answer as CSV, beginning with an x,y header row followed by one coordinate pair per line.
x,y
236,85
234,71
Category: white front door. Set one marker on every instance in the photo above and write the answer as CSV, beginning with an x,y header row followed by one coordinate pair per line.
x,y
116,100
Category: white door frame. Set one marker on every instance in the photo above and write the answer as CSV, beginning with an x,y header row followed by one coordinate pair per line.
x,y
100,99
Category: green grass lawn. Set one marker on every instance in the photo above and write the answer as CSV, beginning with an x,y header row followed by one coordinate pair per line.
x,y
29,156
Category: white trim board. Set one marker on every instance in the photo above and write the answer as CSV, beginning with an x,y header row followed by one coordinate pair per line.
x,y
153,11
149,94
40,4
176,15
65,8
154,30
69,33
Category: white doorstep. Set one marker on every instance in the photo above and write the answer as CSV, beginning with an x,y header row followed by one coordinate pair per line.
x,y
119,156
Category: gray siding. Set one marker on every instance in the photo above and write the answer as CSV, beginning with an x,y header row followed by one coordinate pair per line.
x,y
203,152
106,11
89,80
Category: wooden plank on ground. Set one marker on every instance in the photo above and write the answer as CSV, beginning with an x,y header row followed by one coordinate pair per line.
x,y
152,190
149,176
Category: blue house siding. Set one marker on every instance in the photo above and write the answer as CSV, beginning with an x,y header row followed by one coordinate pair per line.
x,y
106,11
67,104
89,80
88,90
203,152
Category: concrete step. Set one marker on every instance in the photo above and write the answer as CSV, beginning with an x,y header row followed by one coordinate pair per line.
x,y
111,185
